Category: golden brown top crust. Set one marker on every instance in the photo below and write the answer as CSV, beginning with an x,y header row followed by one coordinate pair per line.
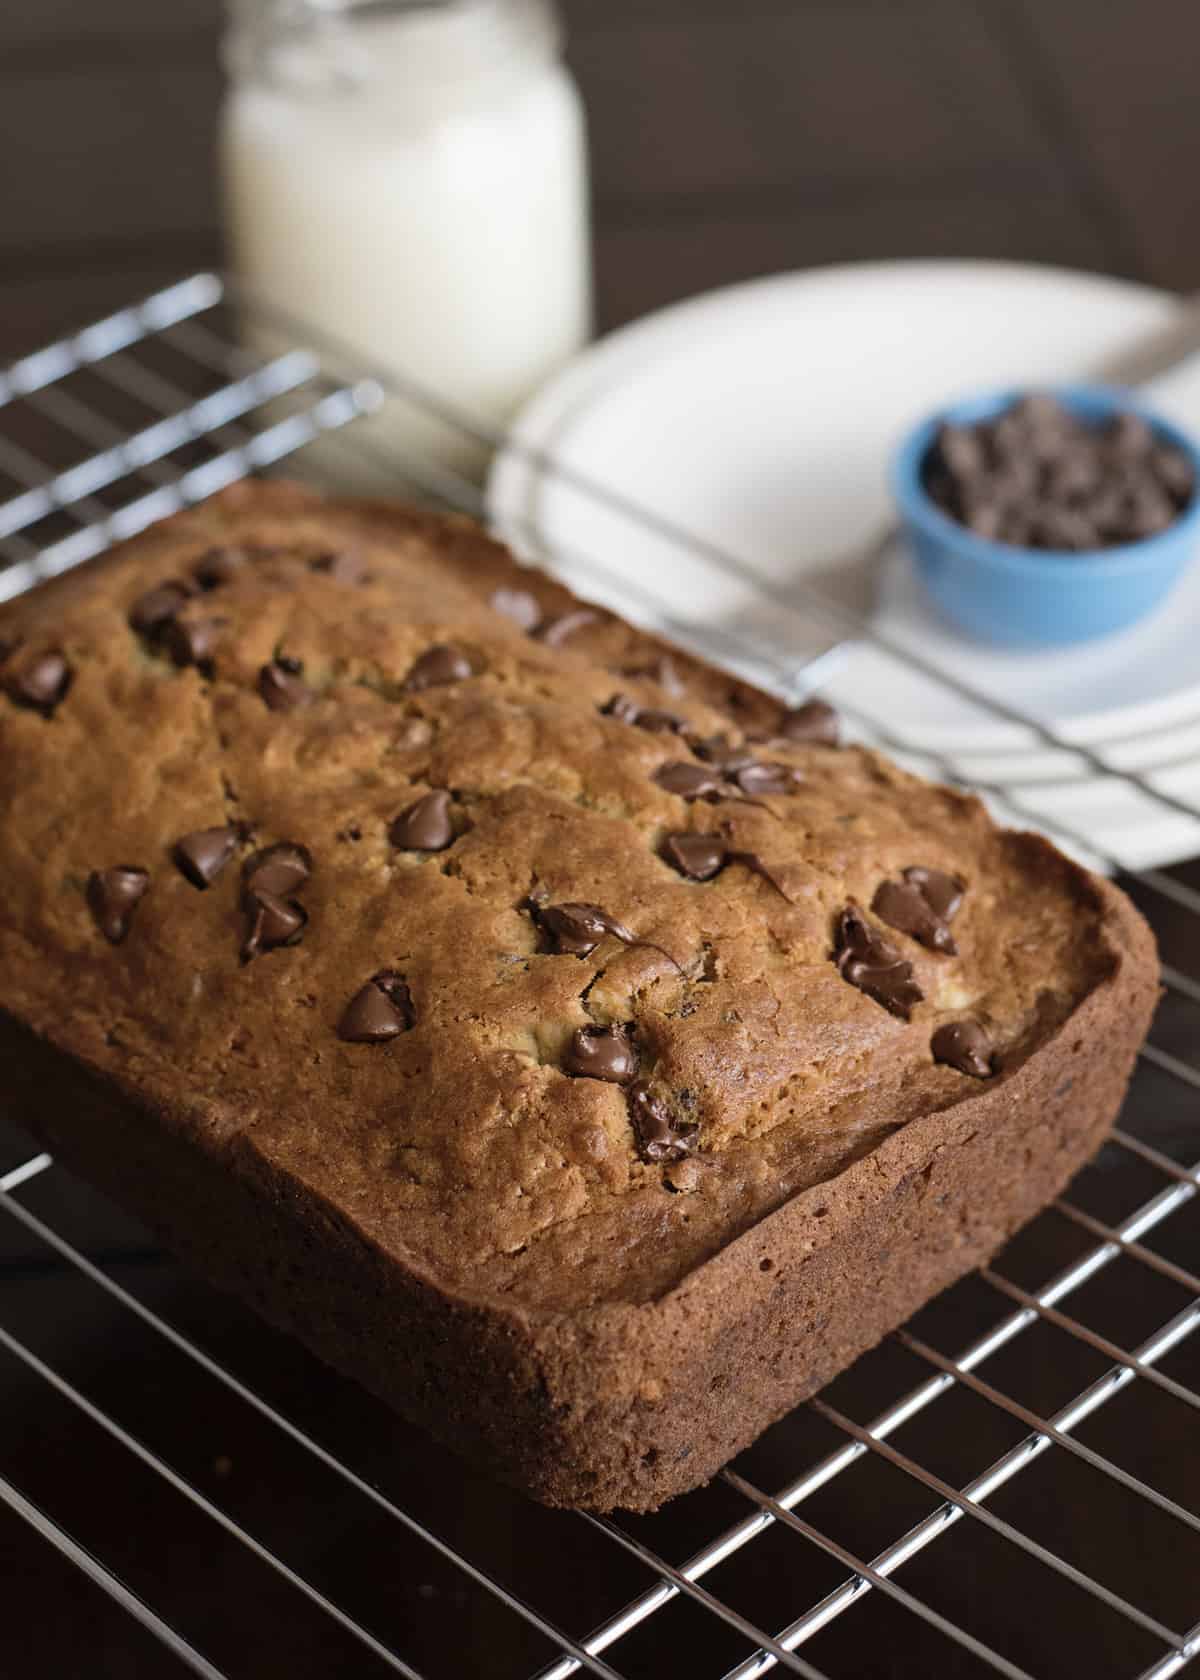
x,y
394,1006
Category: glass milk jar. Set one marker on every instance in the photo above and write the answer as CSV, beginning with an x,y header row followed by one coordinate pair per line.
x,y
410,177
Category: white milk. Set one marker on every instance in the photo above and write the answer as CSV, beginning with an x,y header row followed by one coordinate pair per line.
x,y
414,184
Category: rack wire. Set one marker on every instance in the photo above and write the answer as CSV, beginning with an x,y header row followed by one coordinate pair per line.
x,y
1007,1486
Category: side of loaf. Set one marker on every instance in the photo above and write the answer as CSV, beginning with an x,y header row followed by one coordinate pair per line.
x,y
584,1053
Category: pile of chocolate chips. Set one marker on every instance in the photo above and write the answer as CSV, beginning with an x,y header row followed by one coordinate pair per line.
x,y
1037,476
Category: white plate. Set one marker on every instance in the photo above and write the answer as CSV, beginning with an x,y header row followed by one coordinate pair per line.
x,y
760,419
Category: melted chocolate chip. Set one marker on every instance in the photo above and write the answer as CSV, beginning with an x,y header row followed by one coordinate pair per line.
x,y
921,905
657,722
280,869
756,779
702,856
113,895
343,565
660,1137
867,961
815,721
282,688
191,641
438,665
689,781
203,854
902,907
963,1045
601,1053
425,825
219,566
519,605
273,921
943,893
40,684
577,929
555,631
155,609
383,1009
697,856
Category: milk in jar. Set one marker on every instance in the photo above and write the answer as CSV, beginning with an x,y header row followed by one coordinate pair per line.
x,y
410,178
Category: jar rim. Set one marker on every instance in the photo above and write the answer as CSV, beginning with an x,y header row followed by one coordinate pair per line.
x,y
483,35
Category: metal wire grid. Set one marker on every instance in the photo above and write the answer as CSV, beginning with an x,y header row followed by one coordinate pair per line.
x,y
205,414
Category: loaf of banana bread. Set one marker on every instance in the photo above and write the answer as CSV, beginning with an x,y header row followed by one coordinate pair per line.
x,y
581,1050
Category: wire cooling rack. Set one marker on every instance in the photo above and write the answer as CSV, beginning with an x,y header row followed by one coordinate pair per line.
x,y
1010,1485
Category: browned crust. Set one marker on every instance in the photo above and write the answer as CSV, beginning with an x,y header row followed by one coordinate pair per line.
x,y
738,1343
625,1406
628,1404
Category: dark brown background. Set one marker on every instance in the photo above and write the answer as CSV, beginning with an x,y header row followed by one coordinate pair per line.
x,y
728,140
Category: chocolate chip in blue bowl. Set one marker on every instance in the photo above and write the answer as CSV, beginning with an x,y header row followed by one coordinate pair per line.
x,y
1017,547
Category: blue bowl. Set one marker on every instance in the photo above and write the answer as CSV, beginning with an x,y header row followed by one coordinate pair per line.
x,y
1026,597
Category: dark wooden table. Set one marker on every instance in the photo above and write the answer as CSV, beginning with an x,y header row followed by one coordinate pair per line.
x,y
727,142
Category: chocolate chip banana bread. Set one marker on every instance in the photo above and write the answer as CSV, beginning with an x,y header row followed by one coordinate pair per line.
x,y
559,1036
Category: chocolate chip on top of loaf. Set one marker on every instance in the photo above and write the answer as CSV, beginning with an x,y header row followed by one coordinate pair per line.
x,y
39,682
547,963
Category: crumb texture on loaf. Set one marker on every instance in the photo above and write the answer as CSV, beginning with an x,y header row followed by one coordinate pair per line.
x,y
462,917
